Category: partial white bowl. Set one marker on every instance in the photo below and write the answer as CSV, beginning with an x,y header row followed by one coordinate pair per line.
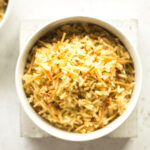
x,y
7,13
58,132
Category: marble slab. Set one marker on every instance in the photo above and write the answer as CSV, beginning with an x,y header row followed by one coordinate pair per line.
x,y
128,129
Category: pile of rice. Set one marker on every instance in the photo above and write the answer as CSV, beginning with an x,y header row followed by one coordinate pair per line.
x,y
3,6
79,77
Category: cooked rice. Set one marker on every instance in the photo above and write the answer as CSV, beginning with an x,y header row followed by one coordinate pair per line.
x,y
79,77
3,5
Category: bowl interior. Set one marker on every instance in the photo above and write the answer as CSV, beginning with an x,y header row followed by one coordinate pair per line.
x,y
7,11
58,132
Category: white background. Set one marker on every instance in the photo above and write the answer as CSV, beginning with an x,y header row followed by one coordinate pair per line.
x,y
9,50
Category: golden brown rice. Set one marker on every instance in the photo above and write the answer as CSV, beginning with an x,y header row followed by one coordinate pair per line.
x,y
79,77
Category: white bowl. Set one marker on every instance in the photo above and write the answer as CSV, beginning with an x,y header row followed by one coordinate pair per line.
x,y
58,132
6,14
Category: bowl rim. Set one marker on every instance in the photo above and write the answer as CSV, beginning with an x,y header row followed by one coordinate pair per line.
x,y
65,135
6,14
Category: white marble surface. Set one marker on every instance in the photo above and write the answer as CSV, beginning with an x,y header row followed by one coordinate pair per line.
x,y
9,50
